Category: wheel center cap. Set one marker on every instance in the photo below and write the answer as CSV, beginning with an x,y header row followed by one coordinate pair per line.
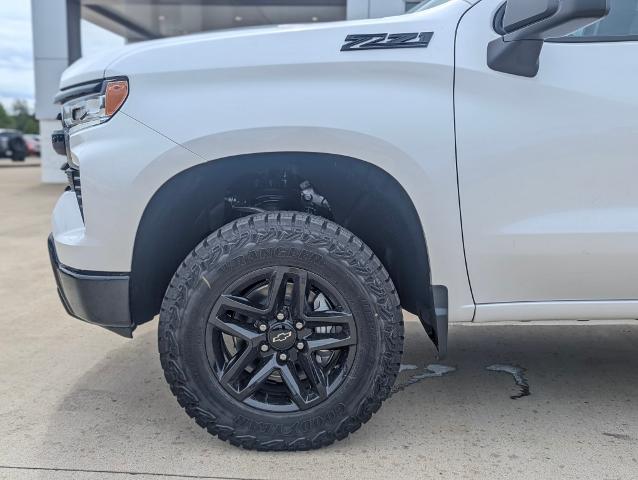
x,y
282,336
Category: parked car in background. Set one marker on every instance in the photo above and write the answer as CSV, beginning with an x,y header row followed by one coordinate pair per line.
x,y
12,145
33,143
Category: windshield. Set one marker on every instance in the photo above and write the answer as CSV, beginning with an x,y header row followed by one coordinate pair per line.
x,y
427,4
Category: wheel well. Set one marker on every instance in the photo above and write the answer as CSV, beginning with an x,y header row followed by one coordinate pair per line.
x,y
357,195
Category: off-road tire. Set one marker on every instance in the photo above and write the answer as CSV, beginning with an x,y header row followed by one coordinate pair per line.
x,y
302,241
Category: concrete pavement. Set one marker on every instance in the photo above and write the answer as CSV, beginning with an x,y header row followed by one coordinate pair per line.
x,y
78,402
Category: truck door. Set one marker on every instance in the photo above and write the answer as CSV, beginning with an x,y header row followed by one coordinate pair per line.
x,y
548,165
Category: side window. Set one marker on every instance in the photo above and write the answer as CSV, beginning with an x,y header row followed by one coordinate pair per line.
x,y
622,22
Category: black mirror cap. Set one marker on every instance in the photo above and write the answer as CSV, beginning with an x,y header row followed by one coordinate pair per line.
x,y
549,19
518,51
522,13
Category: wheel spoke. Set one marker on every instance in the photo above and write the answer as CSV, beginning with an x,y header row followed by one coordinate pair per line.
x,y
238,364
299,294
239,305
314,373
277,290
291,379
329,318
329,342
235,329
257,379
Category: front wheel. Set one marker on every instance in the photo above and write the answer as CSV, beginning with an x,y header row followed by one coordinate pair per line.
x,y
281,331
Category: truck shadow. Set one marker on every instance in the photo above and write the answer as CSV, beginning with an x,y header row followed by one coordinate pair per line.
x,y
581,377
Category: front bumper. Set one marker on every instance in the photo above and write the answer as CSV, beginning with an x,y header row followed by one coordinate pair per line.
x,y
94,297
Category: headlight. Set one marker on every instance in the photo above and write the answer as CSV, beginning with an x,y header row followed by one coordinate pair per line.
x,y
95,108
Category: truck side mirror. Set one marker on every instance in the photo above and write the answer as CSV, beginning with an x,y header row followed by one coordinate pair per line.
x,y
526,24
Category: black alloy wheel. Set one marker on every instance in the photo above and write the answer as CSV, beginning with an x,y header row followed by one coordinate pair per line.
x,y
271,348
281,331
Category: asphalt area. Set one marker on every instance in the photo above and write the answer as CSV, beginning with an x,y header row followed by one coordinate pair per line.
x,y
520,401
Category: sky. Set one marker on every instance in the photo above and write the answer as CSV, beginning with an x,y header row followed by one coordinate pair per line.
x,y
16,49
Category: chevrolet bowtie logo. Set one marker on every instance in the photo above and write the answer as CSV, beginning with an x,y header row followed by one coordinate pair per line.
x,y
281,337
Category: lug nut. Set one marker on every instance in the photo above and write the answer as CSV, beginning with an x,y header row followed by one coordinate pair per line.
x,y
300,346
262,327
280,316
264,348
299,325
283,357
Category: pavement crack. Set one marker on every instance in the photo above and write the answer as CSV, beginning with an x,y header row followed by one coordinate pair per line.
x,y
620,436
122,472
432,370
407,366
519,377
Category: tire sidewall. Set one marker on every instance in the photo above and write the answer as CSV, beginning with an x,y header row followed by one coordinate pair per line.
x,y
216,277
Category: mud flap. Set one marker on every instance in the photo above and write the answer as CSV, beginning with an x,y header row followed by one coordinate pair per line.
x,y
435,319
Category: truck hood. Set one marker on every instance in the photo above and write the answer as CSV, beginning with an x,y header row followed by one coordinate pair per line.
x,y
89,68
96,66
246,47
100,65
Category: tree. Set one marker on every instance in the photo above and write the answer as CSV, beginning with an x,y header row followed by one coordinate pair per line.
x,y
23,119
5,120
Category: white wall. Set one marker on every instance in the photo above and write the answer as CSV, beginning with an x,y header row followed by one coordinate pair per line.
x,y
50,55
386,8
357,9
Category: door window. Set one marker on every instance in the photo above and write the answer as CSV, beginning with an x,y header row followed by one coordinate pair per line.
x,y
620,24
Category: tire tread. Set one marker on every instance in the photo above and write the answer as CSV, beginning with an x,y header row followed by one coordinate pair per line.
x,y
260,228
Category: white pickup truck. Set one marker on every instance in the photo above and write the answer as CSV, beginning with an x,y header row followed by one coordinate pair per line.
x,y
278,195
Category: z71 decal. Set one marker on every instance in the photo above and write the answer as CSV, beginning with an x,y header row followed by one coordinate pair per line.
x,y
378,41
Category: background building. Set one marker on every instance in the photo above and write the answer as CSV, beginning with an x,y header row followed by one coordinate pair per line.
x,y
57,34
